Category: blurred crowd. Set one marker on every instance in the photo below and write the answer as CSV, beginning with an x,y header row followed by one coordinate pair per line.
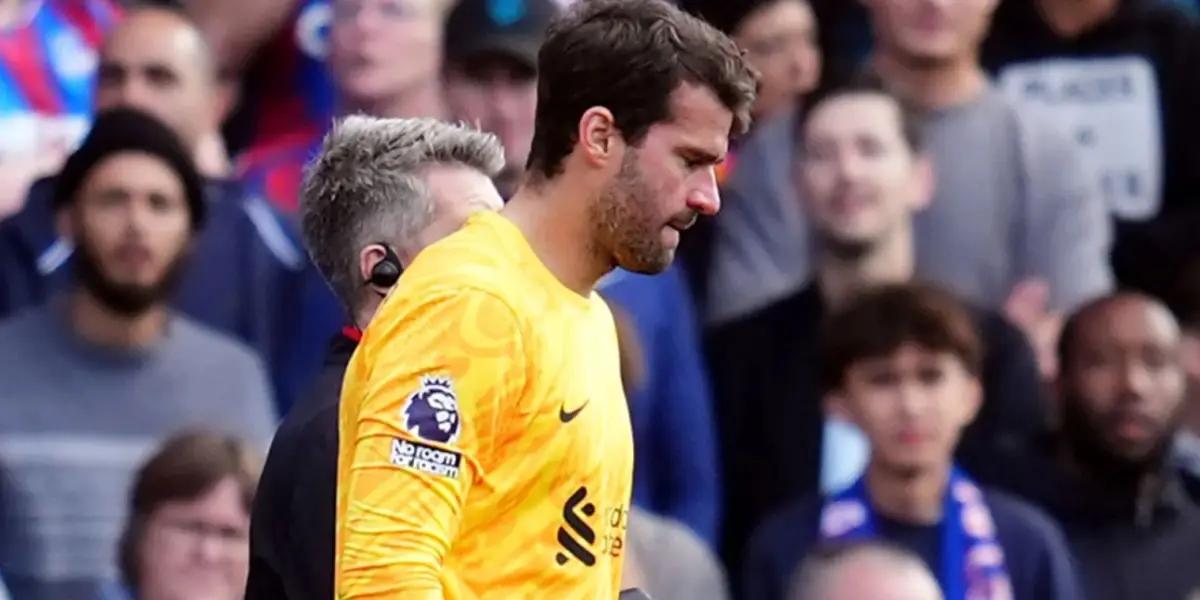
x,y
1011,186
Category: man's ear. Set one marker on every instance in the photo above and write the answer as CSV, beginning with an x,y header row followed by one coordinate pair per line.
x,y
599,137
368,257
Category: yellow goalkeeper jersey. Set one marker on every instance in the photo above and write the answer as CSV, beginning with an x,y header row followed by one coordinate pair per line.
x,y
485,447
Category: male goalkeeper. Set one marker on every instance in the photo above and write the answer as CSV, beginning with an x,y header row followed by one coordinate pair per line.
x,y
485,446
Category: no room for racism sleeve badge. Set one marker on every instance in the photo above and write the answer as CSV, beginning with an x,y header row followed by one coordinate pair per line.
x,y
430,413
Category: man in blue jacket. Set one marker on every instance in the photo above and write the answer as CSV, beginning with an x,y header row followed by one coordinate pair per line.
x,y
249,276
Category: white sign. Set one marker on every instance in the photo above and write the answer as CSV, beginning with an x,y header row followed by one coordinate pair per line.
x,y
1110,108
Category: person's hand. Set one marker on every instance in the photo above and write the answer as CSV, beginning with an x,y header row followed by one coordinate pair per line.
x,y
1028,308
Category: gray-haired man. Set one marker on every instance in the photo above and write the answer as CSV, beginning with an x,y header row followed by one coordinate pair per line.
x,y
379,192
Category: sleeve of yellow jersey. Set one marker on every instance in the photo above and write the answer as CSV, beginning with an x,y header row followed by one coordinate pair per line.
x,y
440,375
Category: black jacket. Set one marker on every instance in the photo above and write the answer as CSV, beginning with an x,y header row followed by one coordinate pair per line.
x,y
292,524
768,407
1128,545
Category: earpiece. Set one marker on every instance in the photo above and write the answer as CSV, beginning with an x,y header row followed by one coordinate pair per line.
x,y
387,271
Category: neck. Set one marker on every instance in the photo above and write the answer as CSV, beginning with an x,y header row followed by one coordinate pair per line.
x,y
1069,18
367,307
933,86
100,326
889,261
421,100
553,225
914,499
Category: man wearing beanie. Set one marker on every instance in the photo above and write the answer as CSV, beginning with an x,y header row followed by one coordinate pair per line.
x,y
96,377
248,269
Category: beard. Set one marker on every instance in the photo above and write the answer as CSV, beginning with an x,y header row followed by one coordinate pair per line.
x,y
1086,440
125,299
628,231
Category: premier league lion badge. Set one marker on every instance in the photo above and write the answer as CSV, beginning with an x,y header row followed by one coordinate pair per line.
x,y
431,412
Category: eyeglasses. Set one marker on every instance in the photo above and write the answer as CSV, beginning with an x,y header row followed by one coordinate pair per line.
x,y
193,530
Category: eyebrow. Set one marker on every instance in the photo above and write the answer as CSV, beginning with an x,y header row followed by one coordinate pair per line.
x,y
701,155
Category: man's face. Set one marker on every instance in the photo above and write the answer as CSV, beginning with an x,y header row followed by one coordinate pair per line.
x,y
382,48
197,549
931,32
1123,389
781,42
664,183
860,176
156,62
498,95
912,405
131,226
457,193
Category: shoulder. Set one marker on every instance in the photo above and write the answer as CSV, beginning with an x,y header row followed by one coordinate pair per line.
x,y
797,312
211,348
1021,524
27,320
788,533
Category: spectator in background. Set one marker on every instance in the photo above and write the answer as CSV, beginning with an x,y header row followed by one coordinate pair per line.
x,y
187,534
904,367
665,558
865,175
1107,478
365,38
1118,76
1187,443
379,192
490,73
273,52
92,379
864,571
47,66
249,276
1014,222
757,251
676,471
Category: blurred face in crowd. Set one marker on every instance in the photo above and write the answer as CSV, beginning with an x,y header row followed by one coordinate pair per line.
x,y
780,39
664,183
197,549
382,48
157,62
497,94
871,576
1123,384
861,178
930,32
131,227
911,404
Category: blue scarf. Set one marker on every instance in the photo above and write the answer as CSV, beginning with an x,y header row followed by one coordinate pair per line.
x,y
972,560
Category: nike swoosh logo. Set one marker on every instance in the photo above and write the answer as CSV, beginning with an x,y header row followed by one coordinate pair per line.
x,y
567,417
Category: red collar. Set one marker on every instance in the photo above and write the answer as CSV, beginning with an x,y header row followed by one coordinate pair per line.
x,y
353,334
